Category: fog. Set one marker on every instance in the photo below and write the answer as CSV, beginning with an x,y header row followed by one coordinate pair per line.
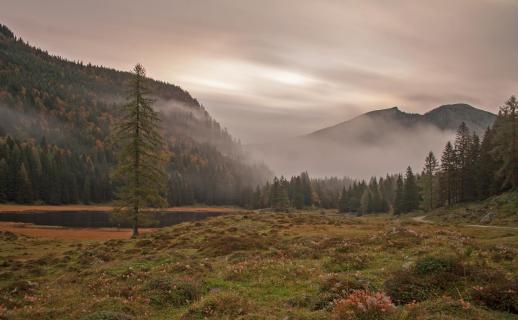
x,y
369,148
30,125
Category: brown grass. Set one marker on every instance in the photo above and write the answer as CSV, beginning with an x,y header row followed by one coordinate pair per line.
x,y
31,230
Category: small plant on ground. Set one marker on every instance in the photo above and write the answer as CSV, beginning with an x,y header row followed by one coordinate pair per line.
x,y
502,296
220,305
363,305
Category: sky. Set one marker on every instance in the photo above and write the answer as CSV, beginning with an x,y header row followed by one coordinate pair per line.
x,y
273,69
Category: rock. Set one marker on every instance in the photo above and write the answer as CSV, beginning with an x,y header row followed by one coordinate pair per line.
x,y
487,218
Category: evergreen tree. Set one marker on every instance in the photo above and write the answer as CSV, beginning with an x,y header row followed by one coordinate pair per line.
x,y
365,202
307,189
448,172
506,143
486,168
342,203
4,173
375,198
430,168
471,189
399,202
411,192
140,153
280,198
462,149
24,189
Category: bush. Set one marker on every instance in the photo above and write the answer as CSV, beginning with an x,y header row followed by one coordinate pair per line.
x,y
363,305
430,277
107,315
433,265
502,296
405,287
334,287
172,292
222,246
346,262
226,305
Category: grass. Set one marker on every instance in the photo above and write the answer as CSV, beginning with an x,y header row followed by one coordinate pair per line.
x,y
265,266
503,209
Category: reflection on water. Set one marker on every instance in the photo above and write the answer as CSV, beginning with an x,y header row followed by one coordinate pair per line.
x,y
102,219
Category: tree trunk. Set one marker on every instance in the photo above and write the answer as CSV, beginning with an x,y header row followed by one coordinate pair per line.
x,y
135,223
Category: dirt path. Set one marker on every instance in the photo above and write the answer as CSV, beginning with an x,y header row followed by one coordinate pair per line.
x,y
422,219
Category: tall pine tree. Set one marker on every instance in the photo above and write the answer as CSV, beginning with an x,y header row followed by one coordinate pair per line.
x,y
411,191
430,168
140,153
506,143
399,202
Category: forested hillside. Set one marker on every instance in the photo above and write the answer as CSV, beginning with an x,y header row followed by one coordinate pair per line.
x,y
55,122
471,168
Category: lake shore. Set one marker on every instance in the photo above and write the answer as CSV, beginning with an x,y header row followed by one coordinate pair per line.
x,y
19,208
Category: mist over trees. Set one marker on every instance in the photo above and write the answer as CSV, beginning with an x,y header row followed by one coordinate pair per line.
x,y
469,169
60,113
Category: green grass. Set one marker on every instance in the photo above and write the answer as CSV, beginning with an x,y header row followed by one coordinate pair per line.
x,y
504,207
256,266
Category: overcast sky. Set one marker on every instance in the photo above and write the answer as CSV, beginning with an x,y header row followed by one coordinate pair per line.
x,y
268,69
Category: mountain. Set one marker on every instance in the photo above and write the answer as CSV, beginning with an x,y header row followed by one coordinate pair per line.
x,y
368,127
449,117
373,143
55,119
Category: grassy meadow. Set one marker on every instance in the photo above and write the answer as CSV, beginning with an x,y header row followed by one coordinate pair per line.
x,y
262,265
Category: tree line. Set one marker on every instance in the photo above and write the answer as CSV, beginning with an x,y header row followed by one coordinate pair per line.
x,y
38,172
469,169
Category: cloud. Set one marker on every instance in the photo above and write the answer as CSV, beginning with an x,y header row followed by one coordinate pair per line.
x,y
270,69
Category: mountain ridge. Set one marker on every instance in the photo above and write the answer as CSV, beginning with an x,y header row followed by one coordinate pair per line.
x,y
444,117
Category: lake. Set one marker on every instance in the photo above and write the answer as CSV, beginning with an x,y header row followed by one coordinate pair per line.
x,y
103,219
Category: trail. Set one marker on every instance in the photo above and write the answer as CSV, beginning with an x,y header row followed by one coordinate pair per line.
x,y
422,219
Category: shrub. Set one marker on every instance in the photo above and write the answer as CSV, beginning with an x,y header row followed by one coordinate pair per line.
x,y
346,262
222,246
107,315
502,296
226,305
334,287
172,292
431,265
405,287
430,277
363,305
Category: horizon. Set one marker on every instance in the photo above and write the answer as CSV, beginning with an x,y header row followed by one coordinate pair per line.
x,y
263,82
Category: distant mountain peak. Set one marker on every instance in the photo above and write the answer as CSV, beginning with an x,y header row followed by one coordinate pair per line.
x,y
384,111
454,107
445,117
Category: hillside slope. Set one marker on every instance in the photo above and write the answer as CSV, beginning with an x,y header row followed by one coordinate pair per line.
x,y
500,210
54,108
